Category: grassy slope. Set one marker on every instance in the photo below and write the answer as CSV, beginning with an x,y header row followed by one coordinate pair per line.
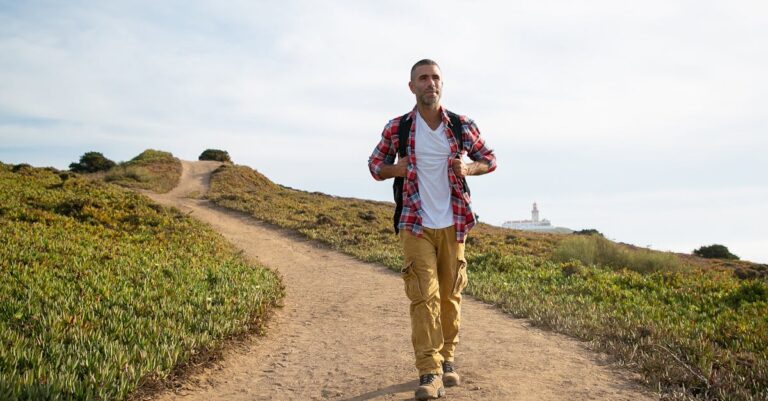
x,y
154,170
102,289
697,332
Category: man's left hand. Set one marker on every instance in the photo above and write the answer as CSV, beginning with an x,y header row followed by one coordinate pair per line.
x,y
460,168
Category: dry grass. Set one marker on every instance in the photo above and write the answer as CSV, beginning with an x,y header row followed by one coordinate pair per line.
x,y
597,250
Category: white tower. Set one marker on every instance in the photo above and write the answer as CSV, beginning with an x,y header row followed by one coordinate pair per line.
x,y
535,213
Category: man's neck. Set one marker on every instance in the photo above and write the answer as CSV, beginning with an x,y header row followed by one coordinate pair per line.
x,y
430,114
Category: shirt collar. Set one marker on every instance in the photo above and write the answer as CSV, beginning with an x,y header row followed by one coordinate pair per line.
x,y
443,112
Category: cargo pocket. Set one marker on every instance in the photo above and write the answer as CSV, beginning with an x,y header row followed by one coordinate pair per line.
x,y
461,276
411,281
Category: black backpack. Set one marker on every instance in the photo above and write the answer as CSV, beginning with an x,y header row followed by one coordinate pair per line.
x,y
402,133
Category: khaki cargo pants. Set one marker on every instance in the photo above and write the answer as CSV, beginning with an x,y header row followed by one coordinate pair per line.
x,y
435,273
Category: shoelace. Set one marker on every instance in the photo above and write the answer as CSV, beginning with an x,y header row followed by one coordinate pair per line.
x,y
447,367
426,379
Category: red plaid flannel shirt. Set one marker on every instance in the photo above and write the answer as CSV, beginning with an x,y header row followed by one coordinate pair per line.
x,y
474,146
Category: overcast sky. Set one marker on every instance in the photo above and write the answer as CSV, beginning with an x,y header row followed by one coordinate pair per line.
x,y
645,120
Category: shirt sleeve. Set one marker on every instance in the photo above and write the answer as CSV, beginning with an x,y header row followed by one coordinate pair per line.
x,y
478,151
385,152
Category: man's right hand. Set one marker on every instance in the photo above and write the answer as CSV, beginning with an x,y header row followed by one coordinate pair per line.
x,y
399,169
402,167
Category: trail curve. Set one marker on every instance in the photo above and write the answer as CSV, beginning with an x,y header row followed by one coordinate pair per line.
x,y
343,333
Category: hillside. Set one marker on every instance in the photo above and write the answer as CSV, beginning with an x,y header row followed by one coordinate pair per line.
x,y
694,328
152,170
690,326
104,291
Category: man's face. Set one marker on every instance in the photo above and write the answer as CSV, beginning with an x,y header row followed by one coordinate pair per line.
x,y
427,84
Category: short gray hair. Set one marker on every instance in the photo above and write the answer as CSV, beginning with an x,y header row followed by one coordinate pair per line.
x,y
421,62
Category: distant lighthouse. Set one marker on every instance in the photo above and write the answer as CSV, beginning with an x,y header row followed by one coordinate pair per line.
x,y
533,224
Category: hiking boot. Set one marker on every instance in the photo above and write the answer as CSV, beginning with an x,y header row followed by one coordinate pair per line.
x,y
430,387
450,377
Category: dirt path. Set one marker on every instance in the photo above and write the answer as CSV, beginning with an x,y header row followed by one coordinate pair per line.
x,y
344,334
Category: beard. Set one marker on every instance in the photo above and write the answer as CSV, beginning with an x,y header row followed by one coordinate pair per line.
x,y
430,99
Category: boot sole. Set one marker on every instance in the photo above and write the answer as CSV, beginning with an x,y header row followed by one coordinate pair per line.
x,y
452,380
440,394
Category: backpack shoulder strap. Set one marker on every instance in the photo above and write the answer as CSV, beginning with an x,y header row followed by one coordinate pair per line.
x,y
403,129
458,134
456,128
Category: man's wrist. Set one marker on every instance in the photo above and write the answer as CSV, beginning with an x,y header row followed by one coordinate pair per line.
x,y
477,168
471,168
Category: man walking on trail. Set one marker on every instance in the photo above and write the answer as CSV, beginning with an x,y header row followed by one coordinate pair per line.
x,y
432,217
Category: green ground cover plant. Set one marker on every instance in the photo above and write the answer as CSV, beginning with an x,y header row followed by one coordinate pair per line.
x,y
693,328
152,170
103,290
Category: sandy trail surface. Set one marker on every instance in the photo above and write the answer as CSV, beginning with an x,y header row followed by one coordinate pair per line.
x,y
344,332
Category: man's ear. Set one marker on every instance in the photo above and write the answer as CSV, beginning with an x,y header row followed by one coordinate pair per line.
x,y
410,86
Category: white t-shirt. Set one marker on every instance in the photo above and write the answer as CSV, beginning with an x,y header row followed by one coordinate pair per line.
x,y
433,153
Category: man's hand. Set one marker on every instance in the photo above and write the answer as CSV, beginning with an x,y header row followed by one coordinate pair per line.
x,y
459,168
462,169
399,169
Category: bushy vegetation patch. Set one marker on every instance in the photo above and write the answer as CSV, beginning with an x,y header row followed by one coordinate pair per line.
x,y
92,162
215,155
692,328
597,250
715,251
153,170
103,290
588,231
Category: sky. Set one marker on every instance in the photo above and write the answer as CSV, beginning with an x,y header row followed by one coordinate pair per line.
x,y
647,121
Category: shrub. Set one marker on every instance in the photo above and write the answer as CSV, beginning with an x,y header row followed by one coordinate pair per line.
x,y
588,231
21,167
92,162
715,251
215,155
151,155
